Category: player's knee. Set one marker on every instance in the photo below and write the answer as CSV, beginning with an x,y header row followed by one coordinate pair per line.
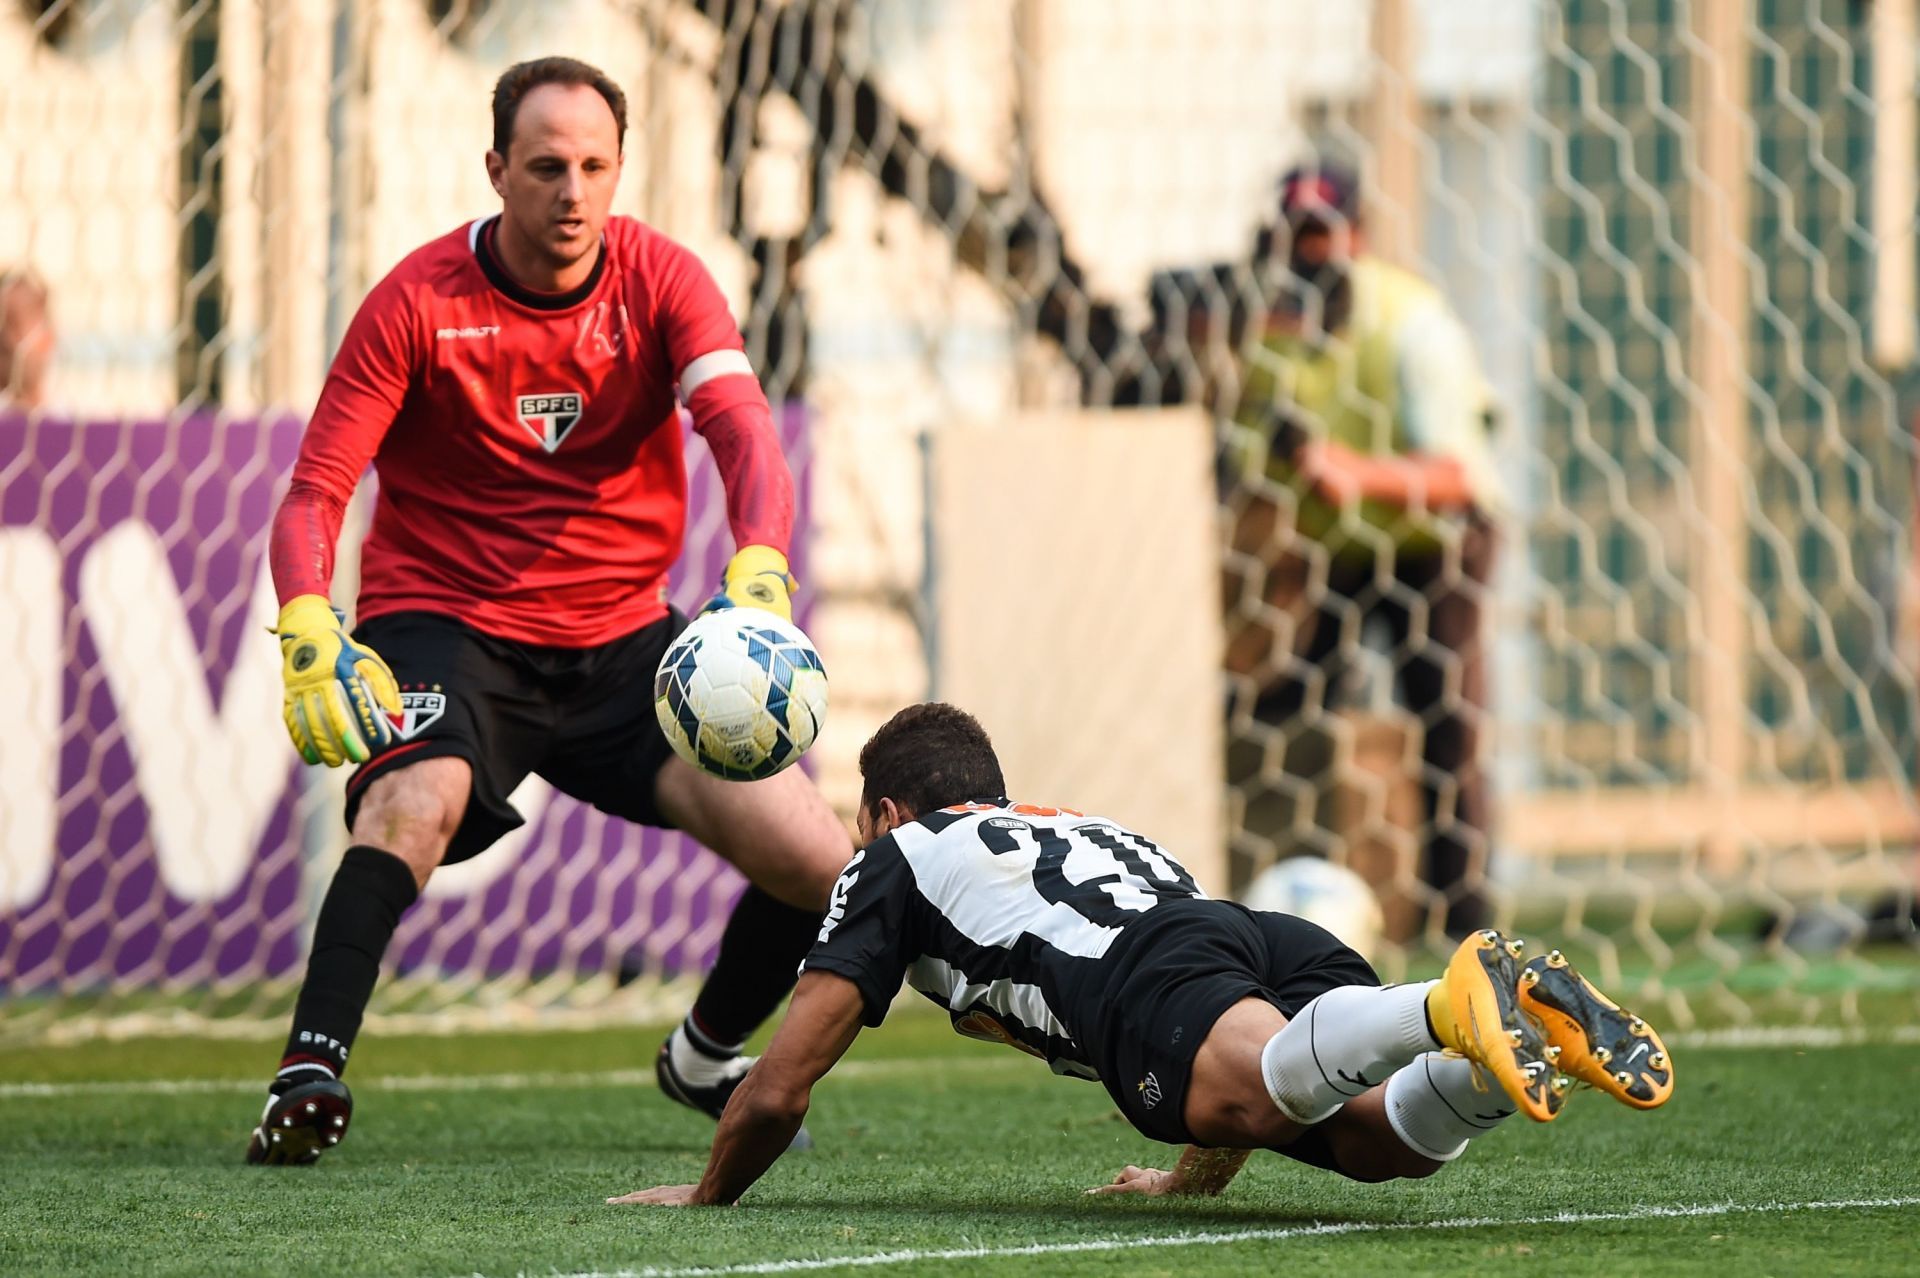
x,y
413,813
1227,1100
1243,1121
1376,1173
821,844
819,848
1374,1162
825,861
1418,1168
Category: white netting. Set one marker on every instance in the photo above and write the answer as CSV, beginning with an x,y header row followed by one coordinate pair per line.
x,y
1679,233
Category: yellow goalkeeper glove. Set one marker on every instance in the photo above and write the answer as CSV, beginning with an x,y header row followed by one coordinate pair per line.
x,y
756,577
338,693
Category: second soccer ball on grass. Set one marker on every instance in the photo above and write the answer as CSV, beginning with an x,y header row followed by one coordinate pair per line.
x,y
1320,892
741,693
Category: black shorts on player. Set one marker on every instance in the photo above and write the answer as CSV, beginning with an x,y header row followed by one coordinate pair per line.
x,y
580,718
1176,971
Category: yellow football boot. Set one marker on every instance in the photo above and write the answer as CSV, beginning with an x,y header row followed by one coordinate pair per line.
x,y
1475,1011
1600,1043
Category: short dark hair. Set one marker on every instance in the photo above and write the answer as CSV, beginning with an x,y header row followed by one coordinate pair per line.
x,y
522,78
929,757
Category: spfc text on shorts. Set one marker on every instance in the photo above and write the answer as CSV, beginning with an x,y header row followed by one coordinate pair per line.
x,y
418,710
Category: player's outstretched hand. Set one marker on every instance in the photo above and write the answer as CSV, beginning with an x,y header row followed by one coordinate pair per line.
x,y
338,694
1141,1180
659,1196
756,577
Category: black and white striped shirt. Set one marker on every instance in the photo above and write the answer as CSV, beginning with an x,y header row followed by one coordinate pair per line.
x,y
1001,913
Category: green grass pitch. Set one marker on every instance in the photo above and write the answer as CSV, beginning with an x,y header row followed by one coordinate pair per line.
x,y
492,1154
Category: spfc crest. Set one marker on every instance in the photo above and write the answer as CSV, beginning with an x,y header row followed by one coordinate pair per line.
x,y
549,417
417,711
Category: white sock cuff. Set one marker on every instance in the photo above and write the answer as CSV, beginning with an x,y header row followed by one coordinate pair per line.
x,y
304,1066
1400,1117
693,1062
1418,1030
1437,1104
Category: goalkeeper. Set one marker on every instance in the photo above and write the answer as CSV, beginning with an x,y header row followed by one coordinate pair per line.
x,y
516,385
1209,1024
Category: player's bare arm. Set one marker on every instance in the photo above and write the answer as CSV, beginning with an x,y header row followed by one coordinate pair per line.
x,y
771,1103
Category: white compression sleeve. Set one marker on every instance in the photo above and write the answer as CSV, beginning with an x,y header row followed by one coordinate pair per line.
x,y
1341,1044
1438,1103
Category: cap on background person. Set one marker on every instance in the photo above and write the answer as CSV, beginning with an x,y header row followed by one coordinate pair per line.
x,y
1321,194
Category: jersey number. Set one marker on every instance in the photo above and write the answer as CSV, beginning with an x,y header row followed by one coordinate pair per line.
x,y
1130,874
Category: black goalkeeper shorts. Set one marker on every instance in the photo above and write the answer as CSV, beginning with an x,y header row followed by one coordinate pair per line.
x,y
1188,962
581,718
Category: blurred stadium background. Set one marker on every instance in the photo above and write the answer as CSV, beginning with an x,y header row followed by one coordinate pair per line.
x,y
979,249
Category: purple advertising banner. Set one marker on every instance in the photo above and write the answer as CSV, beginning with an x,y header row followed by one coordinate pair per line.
x,y
155,826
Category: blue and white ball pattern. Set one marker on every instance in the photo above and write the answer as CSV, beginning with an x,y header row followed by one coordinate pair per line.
x,y
740,694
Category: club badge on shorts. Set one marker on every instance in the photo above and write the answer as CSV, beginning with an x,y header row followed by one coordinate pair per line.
x,y
418,710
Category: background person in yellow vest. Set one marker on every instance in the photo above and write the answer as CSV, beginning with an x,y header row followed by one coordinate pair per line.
x,y
1367,407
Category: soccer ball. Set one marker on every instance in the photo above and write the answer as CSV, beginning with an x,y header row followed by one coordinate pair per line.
x,y
741,693
1320,892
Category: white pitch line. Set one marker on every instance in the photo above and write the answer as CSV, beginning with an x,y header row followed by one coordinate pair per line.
x,y
1811,1037
878,1259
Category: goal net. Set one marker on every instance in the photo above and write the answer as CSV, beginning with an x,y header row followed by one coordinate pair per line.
x,y
1654,698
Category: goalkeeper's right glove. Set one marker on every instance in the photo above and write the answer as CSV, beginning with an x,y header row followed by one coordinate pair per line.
x,y
338,694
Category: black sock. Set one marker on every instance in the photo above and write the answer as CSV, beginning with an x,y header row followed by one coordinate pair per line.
x,y
703,1042
369,893
760,955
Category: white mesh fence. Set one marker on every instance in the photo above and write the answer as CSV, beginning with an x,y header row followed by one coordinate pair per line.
x,y
1657,703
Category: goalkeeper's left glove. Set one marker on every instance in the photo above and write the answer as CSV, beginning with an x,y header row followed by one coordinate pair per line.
x,y
756,577
338,693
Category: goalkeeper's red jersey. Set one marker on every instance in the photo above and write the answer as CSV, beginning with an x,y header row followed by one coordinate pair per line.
x,y
532,482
